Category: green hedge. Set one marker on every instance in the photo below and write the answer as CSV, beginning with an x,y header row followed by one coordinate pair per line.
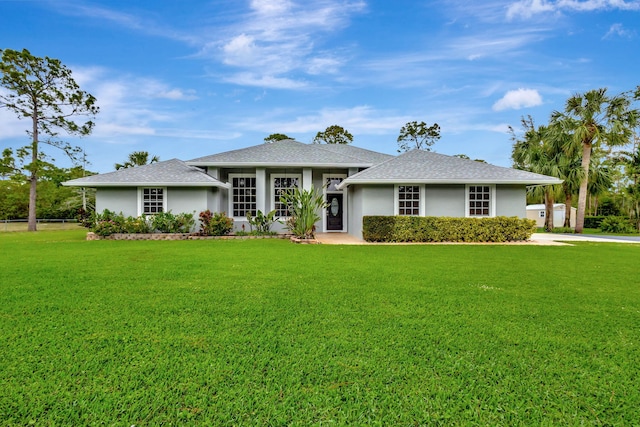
x,y
446,229
593,221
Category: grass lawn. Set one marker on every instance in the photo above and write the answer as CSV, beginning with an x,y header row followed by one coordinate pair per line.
x,y
264,332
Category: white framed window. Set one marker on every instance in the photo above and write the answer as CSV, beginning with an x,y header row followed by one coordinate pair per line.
x,y
280,184
152,200
243,195
409,200
480,200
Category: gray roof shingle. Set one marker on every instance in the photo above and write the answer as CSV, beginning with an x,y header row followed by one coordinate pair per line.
x,y
293,153
419,166
168,173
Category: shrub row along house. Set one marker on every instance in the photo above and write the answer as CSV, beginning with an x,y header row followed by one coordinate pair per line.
x,y
355,182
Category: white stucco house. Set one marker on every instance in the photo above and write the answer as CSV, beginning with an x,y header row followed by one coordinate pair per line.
x,y
356,182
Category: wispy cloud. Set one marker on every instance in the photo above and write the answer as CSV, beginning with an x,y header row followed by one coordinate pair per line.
x,y
277,40
518,99
528,8
618,30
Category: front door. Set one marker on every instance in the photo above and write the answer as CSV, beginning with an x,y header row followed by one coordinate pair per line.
x,y
334,212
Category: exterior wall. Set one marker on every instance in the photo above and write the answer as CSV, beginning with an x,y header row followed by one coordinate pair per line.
x,y
118,200
511,200
187,200
445,200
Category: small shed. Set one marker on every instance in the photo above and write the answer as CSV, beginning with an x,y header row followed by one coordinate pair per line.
x,y
537,213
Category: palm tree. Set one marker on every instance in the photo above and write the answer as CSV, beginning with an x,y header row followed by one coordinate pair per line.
x,y
137,158
594,119
535,153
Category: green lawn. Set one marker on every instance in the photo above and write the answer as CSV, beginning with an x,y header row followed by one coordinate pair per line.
x,y
265,332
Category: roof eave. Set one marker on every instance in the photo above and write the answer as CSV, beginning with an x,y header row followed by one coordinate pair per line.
x,y
279,165
348,181
147,184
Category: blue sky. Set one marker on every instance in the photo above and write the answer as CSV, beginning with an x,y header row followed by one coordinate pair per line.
x,y
188,79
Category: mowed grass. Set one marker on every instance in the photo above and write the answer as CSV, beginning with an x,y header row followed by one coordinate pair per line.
x,y
265,332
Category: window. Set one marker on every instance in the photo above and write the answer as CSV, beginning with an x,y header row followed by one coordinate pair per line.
x,y
280,186
479,200
408,200
152,201
243,195
332,182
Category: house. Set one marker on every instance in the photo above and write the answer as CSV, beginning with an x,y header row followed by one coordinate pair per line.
x,y
537,212
355,181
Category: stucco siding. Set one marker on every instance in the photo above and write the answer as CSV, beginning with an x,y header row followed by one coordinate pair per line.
x,y
187,200
445,200
511,200
118,200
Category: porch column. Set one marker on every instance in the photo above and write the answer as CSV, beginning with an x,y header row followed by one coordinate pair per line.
x,y
307,178
262,189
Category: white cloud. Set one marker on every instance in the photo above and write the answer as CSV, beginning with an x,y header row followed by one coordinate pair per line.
x,y
618,30
517,99
528,8
265,81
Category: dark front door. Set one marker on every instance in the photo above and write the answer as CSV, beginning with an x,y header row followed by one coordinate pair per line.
x,y
334,212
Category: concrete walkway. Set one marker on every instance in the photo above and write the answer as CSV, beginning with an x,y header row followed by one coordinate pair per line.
x,y
546,239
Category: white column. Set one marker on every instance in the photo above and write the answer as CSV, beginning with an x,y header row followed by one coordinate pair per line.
x,y
262,189
307,178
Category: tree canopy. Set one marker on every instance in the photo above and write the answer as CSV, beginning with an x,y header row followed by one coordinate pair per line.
x,y
43,90
137,158
418,135
333,135
276,137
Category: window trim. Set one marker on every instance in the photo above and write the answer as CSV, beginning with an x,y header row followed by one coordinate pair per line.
x,y
272,183
492,201
396,199
141,199
240,175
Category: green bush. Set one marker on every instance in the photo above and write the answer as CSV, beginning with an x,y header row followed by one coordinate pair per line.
x,y
563,230
617,224
262,222
446,229
108,223
215,224
166,222
593,221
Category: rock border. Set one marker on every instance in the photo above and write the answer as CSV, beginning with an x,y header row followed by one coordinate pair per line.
x,y
178,236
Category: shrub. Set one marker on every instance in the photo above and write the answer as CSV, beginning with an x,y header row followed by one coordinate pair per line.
x,y
107,223
141,224
446,229
303,206
593,221
166,222
215,224
617,224
262,222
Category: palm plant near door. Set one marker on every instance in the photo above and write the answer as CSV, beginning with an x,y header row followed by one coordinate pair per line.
x,y
303,207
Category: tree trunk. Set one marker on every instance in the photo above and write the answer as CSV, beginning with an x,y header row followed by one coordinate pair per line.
x,y
567,210
582,195
33,178
548,208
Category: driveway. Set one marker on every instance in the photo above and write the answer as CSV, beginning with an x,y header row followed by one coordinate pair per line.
x,y
536,239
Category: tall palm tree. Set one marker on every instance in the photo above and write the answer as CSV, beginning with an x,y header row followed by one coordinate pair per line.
x,y
137,158
535,153
594,119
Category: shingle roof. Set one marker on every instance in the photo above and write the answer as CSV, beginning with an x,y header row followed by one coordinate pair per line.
x,y
419,166
168,173
293,153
